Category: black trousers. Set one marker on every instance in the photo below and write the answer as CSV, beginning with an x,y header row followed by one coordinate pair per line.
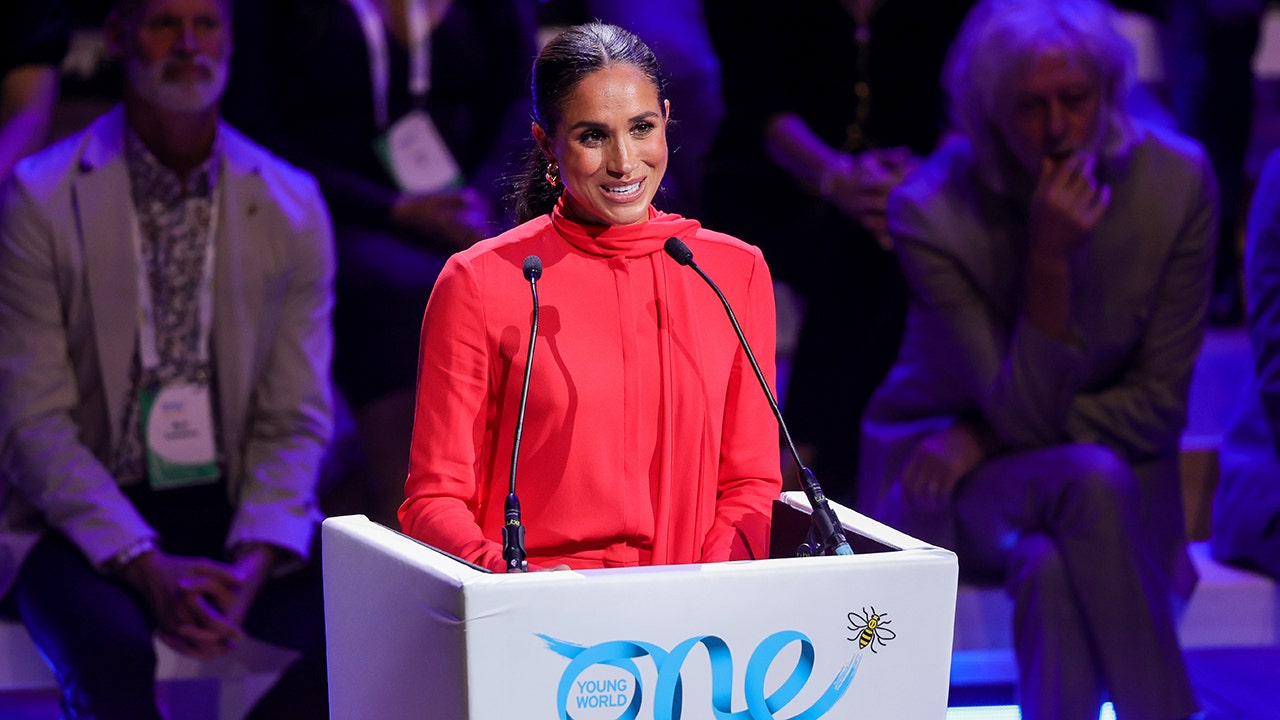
x,y
96,631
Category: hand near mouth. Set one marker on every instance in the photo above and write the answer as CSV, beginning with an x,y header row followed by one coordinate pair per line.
x,y
1067,204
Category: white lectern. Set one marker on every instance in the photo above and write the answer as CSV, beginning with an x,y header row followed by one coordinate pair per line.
x,y
416,633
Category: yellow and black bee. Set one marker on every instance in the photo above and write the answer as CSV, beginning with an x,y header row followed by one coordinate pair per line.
x,y
871,629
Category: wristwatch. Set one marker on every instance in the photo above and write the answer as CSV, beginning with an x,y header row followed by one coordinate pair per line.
x,y
131,552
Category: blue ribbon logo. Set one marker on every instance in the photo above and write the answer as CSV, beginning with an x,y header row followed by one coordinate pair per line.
x,y
667,691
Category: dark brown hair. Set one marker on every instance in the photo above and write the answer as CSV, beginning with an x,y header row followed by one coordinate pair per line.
x,y
563,63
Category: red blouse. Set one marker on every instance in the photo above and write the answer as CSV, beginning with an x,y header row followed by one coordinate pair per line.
x,y
647,438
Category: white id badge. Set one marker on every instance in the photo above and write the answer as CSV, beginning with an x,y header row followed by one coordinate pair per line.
x,y
415,155
178,424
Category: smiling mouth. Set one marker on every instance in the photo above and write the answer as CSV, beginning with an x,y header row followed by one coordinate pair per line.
x,y
623,189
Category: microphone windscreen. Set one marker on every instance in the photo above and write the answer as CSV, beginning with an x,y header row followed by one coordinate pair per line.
x,y
678,251
532,267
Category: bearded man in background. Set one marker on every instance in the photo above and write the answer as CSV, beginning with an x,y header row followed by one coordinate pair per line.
x,y
165,302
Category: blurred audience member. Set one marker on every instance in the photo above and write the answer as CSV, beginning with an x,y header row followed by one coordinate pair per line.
x,y
34,35
1246,504
823,125
165,296
1059,256
409,114
1207,49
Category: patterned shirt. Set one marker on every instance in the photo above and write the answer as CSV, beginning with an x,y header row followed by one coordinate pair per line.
x,y
175,240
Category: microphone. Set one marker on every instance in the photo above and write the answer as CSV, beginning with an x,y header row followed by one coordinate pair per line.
x,y
513,552
826,525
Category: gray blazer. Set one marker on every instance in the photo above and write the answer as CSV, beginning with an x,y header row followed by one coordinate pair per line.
x,y
68,333
1140,302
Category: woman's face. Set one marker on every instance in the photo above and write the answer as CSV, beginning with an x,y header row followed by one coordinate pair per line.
x,y
1055,112
611,145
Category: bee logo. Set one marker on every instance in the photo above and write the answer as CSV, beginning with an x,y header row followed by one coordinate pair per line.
x,y
871,629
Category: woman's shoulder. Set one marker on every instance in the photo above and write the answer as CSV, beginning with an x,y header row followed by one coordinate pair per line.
x,y
712,241
496,255
527,233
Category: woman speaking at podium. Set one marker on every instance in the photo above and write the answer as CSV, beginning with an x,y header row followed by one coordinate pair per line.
x,y
647,438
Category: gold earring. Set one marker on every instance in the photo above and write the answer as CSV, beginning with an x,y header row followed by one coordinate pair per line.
x,y
553,174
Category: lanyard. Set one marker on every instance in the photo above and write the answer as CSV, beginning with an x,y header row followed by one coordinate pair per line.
x,y
379,56
149,354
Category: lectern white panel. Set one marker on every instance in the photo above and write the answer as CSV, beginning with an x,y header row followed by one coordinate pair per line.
x,y
415,633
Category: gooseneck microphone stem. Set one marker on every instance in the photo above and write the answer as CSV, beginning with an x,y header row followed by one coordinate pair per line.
x,y
830,539
513,551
